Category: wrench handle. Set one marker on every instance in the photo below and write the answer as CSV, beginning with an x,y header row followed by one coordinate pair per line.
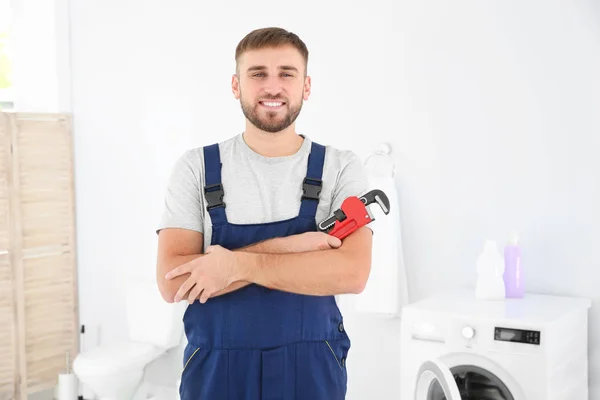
x,y
344,229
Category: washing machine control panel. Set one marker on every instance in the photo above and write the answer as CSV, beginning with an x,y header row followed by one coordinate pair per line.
x,y
517,335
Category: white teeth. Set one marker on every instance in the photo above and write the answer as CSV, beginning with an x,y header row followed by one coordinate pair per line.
x,y
272,103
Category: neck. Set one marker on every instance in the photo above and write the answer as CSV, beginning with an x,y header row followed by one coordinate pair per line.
x,y
273,144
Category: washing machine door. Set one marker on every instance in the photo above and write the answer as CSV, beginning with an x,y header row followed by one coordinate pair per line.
x,y
436,382
465,377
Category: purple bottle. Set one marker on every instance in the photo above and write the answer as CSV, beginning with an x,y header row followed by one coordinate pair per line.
x,y
513,274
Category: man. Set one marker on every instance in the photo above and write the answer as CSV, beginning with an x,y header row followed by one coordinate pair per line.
x,y
262,321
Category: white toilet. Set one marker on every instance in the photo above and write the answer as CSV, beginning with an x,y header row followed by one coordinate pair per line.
x,y
114,371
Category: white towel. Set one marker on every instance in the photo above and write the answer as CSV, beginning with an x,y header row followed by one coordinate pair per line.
x,y
386,290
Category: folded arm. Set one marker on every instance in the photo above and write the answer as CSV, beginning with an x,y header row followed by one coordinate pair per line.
x,y
283,245
329,272
179,247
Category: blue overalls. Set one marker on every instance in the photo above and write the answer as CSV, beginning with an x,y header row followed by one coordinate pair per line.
x,y
258,343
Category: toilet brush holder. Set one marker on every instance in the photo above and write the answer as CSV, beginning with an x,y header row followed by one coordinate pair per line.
x,y
68,388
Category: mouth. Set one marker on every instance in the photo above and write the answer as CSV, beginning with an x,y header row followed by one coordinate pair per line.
x,y
272,105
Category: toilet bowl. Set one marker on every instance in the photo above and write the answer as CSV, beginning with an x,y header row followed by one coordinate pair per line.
x,y
114,371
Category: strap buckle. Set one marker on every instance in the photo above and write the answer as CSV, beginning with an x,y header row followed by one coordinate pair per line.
x,y
311,188
214,196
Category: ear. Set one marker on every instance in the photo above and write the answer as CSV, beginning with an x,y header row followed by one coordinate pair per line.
x,y
307,84
235,86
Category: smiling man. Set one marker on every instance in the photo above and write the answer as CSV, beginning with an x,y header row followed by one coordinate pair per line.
x,y
279,111
238,240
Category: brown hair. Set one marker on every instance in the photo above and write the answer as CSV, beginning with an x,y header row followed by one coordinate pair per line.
x,y
270,37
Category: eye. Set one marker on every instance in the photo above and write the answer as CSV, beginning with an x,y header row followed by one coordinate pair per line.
x,y
259,74
287,75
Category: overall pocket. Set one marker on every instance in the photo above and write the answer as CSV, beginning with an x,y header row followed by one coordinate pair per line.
x,y
338,352
205,374
340,360
190,352
189,358
320,371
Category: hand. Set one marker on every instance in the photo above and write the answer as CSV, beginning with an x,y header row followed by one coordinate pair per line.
x,y
313,241
208,274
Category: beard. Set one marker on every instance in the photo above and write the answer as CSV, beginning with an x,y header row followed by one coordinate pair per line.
x,y
273,121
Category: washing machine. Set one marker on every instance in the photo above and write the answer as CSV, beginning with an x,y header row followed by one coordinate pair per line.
x,y
454,346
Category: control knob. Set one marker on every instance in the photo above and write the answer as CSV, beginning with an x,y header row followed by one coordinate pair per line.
x,y
468,332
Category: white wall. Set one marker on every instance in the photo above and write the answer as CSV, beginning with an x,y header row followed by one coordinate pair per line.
x,y
42,76
491,108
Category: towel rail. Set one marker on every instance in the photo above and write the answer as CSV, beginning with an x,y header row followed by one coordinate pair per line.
x,y
383,150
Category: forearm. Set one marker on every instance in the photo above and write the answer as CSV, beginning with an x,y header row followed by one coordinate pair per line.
x,y
279,245
325,272
168,287
275,246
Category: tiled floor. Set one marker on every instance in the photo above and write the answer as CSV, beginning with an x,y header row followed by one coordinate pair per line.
x,y
45,395
152,393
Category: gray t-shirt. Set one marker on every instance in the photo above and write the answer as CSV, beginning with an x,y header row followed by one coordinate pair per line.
x,y
258,189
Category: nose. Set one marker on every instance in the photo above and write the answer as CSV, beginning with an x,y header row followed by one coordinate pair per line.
x,y
273,86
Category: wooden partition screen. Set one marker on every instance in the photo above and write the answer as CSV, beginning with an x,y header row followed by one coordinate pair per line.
x,y
38,266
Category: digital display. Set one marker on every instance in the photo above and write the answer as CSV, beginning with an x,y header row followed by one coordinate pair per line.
x,y
517,335
505,334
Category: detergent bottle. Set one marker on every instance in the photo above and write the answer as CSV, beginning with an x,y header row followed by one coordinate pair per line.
x,y
490,271
513,275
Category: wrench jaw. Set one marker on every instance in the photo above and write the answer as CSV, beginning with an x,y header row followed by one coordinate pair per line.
x,y
376,196
370,214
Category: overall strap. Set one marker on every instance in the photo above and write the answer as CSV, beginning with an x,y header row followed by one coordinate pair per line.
x,y
213,191
311,187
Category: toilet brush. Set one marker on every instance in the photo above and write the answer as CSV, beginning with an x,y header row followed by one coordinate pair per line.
x,y
85,393
67,383
81,350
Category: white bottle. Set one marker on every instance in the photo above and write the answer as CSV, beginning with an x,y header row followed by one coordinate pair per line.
x,y
490,272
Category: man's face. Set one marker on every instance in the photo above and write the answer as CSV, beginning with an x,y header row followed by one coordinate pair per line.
x,y
271,86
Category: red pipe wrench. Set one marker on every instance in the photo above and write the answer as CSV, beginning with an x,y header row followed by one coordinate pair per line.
x,y
353,214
